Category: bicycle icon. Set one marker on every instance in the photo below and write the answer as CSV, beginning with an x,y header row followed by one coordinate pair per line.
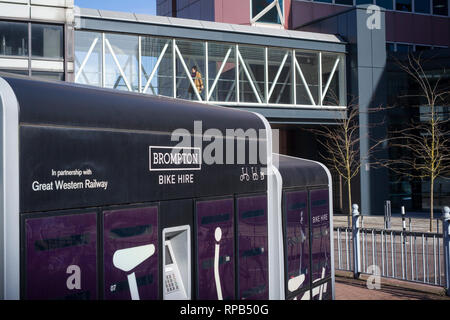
x,y
244,176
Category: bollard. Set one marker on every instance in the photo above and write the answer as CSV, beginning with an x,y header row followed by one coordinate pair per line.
x,y
356,242
446,235
403,219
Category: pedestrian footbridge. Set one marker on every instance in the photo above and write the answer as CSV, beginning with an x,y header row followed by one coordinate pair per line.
x,y
276,71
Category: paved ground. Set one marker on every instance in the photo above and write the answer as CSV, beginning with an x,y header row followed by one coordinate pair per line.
x,y
351,289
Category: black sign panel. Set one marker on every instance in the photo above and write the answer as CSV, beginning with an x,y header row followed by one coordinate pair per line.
x,y
63,168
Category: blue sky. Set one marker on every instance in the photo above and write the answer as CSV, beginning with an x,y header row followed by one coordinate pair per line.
x,y
136,6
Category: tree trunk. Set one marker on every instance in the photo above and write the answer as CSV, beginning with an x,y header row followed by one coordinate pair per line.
x,y
431,204
349,190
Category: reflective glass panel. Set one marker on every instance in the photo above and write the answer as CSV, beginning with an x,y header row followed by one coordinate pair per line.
x,y
121,62
192,55
222,72
308,63
47,41
13,38
157,53
440,7
88,58
280,62
251,74
330,76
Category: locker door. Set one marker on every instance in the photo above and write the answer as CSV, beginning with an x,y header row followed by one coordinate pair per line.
x,y
130,248
61,257
215,249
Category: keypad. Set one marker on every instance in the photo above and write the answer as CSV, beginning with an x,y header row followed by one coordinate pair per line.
x,y
171,283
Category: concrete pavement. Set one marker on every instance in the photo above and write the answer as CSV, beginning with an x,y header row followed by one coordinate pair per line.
x,y
356,289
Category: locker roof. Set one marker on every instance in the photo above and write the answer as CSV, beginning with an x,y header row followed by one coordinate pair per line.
x,y
67,104
298,172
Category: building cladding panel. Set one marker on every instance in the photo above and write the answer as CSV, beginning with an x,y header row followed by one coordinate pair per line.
x,y
427,29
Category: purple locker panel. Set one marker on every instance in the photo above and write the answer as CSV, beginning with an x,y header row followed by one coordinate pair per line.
x,y
61,257
130,248
215,233
253,244
322,291
320,243
297,240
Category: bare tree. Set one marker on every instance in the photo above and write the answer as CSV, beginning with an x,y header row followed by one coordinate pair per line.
x,y
341,147
425,144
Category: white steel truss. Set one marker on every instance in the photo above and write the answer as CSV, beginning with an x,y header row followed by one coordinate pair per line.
x,y
273,4
241,68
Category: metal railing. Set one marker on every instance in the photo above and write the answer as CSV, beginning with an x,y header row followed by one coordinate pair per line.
x,y
404,255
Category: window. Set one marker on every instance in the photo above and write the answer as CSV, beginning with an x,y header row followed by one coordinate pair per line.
x,y
387,4
403,5
348,2
390,47
440,7
48,75
327,1
404,48
422,6
22,72
47,41
364,2
13,38
269,7
422,48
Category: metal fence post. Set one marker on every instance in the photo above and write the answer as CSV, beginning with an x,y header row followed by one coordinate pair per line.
x,y
387,214
356,242
446,235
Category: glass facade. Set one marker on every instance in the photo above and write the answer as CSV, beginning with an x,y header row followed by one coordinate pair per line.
x,y
47,41
440,7
32,49
13,38
231,74
422,6
410,109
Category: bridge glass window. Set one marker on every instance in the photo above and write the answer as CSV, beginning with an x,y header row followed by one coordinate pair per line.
x,y
47,41
157,66
13,38
280,62
88,58
251,74
307,80
190,54
222,72
357,2
440,7
330,79
121,62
